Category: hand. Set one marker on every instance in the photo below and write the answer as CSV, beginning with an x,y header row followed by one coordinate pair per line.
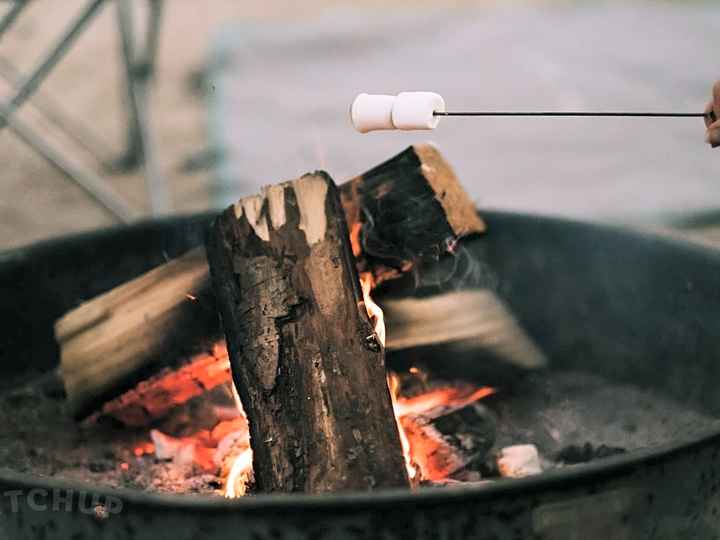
x,y
713,127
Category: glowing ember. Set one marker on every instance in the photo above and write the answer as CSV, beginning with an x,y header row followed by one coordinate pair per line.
x,y
156,396
144,448
425,457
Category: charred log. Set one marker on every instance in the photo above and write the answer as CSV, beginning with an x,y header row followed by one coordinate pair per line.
x,y
410,208
305,360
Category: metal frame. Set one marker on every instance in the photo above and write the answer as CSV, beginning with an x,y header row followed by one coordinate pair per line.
x,y
139,65
138,72
83,134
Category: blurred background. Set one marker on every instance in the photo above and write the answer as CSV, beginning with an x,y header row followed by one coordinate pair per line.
x,y
243,94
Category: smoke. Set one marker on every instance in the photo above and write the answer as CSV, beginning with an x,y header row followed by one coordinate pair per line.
x,y
458,268
375,246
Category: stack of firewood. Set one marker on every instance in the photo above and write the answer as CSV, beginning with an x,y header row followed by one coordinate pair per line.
x,y
305,355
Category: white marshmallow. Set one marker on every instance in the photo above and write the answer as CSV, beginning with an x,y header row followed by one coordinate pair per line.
x,y
518,461
406,111
371,112
414,110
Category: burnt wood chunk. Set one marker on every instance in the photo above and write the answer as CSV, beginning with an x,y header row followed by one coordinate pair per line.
x,y
408,208
304,357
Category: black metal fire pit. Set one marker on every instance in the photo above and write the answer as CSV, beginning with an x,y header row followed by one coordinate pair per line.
x,y
630,309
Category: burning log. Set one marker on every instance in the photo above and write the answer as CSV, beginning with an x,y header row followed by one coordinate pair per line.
x,y
154,397
450,446
446,432
406,209
305,359
410,207
474,320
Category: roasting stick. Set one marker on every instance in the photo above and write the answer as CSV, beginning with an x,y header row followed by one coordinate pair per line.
x,y
593,114
409,111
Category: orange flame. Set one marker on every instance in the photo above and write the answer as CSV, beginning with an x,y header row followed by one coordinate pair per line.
x,y
241,470
394,386
425,457
373,310
454,397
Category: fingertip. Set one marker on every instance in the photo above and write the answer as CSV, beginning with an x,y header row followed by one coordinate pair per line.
x,y
707,112
713,137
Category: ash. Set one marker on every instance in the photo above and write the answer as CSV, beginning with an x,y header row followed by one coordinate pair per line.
x,y
574,417
37,436
571,418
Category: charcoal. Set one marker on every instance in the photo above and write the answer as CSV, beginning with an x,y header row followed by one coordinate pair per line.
x,y
574,454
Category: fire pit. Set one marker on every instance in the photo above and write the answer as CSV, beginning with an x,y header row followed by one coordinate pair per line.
x,y
625,413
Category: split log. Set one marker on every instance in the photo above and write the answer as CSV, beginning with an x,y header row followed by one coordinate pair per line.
x,y
304,356
408,208
121,337
470,320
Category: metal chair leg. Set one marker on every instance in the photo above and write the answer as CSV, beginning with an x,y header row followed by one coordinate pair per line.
x,y
48,63
94,186
53,110
11,15
138,71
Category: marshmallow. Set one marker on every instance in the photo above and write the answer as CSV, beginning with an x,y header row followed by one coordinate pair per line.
x,y
371,112
414,110
406,111
518,461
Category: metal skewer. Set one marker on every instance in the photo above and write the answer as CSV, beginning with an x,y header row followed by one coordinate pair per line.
x,y
578,113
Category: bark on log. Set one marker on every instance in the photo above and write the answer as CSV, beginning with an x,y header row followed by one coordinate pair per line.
x,y
304,357
410,207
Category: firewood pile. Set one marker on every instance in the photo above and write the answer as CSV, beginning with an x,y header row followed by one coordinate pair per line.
x,y
278,308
